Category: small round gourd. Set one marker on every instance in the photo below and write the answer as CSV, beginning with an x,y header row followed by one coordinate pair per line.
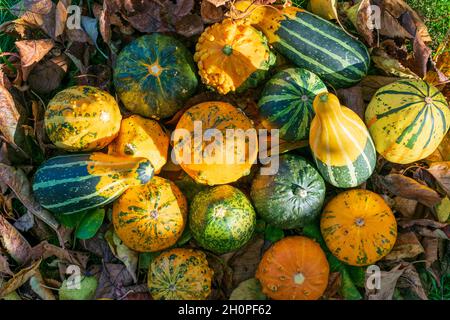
x,y
294,268
358,227
221,219
290,198
154,75
151,217
232,56
140,137
82,118
180,274
220,158
286,102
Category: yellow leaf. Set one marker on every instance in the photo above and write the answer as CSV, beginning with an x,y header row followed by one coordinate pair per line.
x,y
443,210
327,9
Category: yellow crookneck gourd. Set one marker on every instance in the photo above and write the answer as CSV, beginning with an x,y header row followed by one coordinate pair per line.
x,y
340,143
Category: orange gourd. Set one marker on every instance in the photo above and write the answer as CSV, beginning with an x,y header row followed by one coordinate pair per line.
x,y
206,159
232,56
358,227
150,217
294,268
140,137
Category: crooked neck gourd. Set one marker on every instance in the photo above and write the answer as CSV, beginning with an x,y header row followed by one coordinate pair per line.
x,y
340,143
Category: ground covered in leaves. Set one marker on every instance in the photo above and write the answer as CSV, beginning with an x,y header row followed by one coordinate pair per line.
x,y
40,56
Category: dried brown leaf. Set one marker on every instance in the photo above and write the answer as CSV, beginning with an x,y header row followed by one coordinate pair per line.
x,y
218,3
245,261
45,250
13,241
123,253
210,13
441,171
391,27
430,246
407,207
353,99
35,6
19,279
409,188
17,180
406,246
47,75
31,52
372,83
114,279
10,116
4,266
405,223
388,283
410,279
189,25
61,16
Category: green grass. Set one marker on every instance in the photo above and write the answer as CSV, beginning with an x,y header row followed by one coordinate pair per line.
x,y
6,42
436,15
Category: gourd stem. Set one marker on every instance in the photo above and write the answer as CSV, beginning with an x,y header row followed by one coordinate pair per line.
x,y
227,50
324,97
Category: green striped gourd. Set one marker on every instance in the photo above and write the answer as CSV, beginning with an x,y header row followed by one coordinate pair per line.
x,y
77,182
286,102
311,42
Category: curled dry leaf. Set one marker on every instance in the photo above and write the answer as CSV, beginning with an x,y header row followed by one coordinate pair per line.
x,y
407,246
353,99
14,243
189,25
430,246
123,253
388,282
360,15
210,13
410,279
18,182
218,3
407,207
409,188
441,171
31,52
326,9
46,250
4,266
47,75
245,261
114,279
38,285
372,83
249,289
19,279
9,120
405,223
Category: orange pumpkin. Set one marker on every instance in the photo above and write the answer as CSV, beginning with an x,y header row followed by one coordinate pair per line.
x,y
140,137
150,217
206,159
294,268
358,227
232,56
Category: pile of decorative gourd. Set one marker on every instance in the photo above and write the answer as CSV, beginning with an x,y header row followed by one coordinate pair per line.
x,y
156,74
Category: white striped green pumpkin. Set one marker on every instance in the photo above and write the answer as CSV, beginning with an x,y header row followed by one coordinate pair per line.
x,y
286,102
340,143
77,182
311,42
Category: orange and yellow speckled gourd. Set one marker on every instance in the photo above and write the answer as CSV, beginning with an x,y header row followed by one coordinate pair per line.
x,y
200,159
140,137
82,118
150,217
232,56
358,227
180,274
